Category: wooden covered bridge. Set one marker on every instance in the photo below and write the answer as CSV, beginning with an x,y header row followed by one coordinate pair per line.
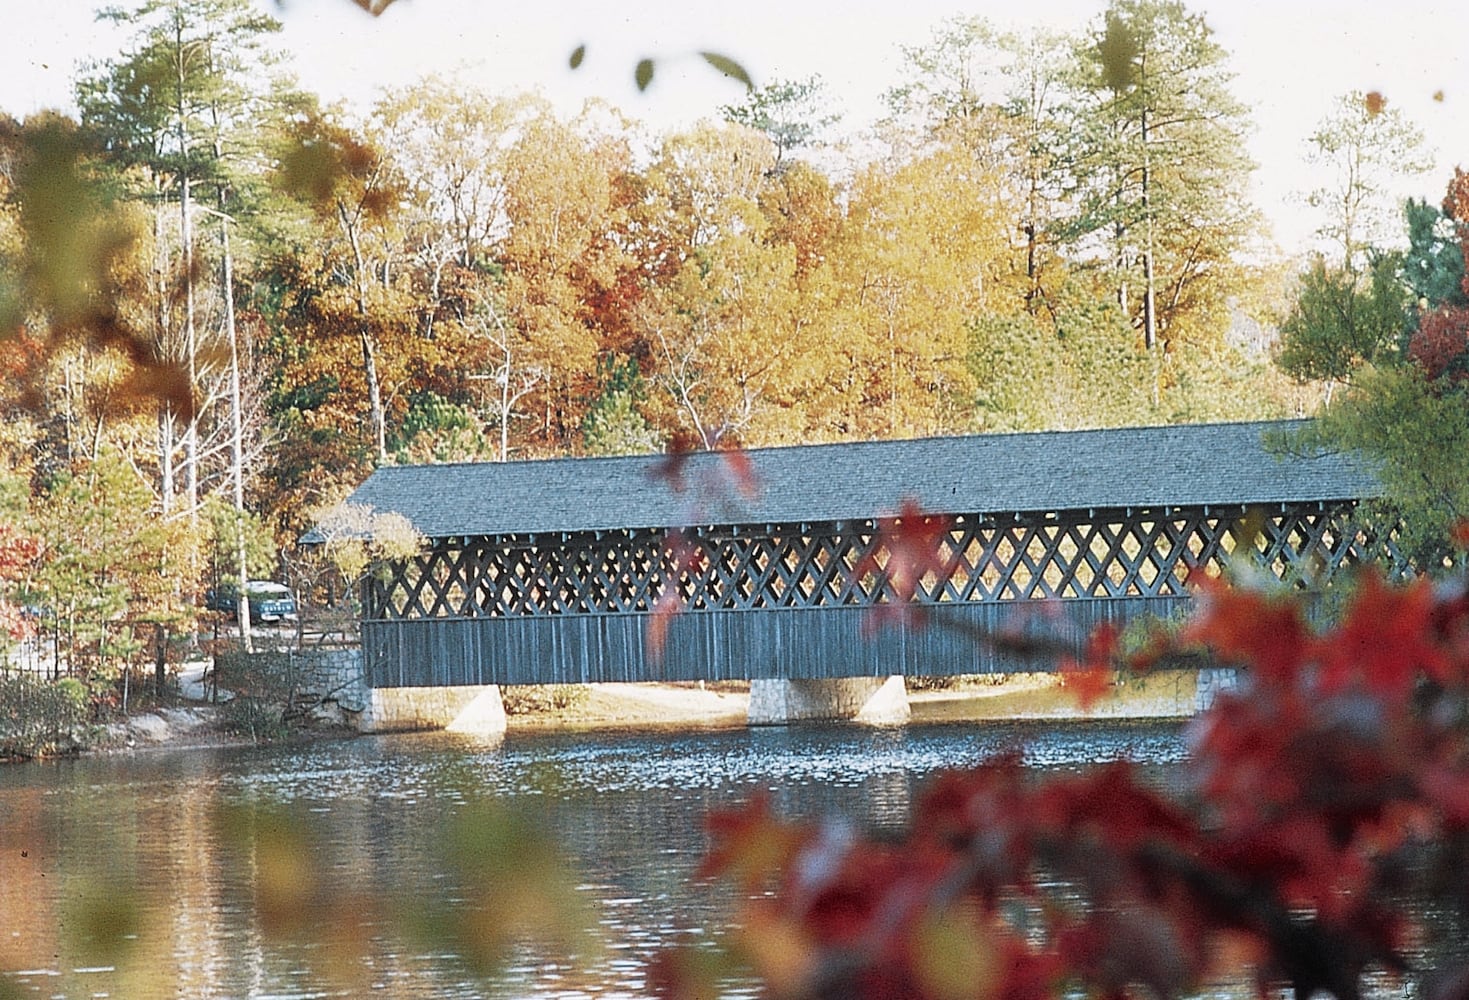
x,y
561,571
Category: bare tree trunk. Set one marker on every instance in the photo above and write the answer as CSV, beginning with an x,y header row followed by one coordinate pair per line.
x,y
364,332
374,394
166,437
237,439
165,457
505,409
191,337
1150,318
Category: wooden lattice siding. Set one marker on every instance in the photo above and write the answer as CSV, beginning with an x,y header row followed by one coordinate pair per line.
x,y
1020,557
785,601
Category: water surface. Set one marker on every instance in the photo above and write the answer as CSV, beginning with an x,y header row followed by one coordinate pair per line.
x,y
359,867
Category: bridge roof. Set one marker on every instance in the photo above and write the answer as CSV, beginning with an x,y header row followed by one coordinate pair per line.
x,y
1183,465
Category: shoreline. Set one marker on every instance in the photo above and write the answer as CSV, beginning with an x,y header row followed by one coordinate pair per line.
x,y
1027,697
200,724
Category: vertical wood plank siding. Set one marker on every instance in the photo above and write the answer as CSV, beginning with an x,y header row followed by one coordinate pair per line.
x,y
727,645
785,601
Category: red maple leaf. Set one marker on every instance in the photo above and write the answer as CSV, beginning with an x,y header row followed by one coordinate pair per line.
x,y
749,844
904,550
684,557
1385,641
670,468
664,609
742,471
1246,626
1090,677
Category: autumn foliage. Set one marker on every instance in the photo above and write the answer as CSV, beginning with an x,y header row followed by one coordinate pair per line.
x,y
1328,789
1456,207
1441,344
18,554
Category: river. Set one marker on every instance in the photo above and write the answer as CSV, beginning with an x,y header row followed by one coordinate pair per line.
x,y
350,867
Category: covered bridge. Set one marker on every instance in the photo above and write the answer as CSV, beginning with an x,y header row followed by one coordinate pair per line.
x,y
555,571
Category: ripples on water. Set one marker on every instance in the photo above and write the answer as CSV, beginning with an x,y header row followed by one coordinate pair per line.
x,y
627,810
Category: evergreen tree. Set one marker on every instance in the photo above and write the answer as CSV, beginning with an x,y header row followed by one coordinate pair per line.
x,y
1398,339
1161,164
177,114
613,424
1340,322
792,114
1433,266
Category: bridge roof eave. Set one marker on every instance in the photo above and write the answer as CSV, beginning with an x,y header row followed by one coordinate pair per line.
x,y
1225,465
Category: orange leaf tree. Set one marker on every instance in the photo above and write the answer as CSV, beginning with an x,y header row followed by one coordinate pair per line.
x,y
18,554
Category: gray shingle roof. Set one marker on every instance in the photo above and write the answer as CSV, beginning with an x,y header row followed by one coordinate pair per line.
x,y
1185,465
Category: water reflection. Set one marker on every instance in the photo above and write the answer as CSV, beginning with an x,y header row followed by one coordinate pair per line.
x,y
333,869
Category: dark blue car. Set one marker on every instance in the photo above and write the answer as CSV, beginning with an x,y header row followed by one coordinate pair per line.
x,y
269,601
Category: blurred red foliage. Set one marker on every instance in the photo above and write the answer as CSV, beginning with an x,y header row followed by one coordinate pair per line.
x,y
905,549
685,558
1326,790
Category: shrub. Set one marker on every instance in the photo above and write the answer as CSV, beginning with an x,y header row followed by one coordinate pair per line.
x,y
259,720
264,688
523,699
40,718
1440,346
268,677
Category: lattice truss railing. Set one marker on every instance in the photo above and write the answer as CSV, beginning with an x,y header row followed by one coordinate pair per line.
x,y
1101,554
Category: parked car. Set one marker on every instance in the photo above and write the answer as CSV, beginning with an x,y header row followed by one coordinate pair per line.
x,y
269,601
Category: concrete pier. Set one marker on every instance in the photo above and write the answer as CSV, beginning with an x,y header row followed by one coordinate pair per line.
x,y
877,701
477,710
1211,683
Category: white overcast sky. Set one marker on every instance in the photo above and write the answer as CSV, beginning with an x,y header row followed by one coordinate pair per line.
x,y
1291,58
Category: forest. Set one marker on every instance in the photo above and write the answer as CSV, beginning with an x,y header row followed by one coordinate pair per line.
x,y
224,302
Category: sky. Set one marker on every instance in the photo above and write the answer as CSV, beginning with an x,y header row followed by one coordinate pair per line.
x,y
1291,58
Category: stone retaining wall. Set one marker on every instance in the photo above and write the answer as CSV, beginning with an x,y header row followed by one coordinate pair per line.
x,y
334,677
328,684
476,710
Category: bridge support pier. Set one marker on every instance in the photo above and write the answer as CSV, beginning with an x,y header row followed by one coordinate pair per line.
x,y
1211,682
876,701
476,710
